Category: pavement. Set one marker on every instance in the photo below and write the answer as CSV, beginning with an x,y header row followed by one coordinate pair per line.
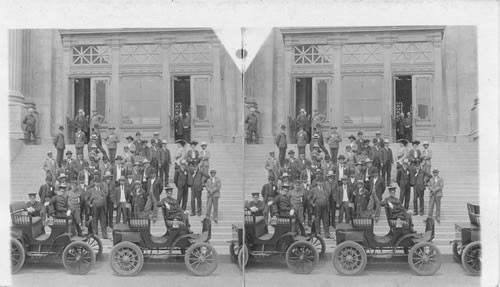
x,y
270,272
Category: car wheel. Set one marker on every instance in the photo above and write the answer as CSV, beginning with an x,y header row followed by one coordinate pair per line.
x,y
319,243
457,251
243,257
349,258
471,258
233,252
96,245
424,258
17,255
78,258
302,257
201,259
126,259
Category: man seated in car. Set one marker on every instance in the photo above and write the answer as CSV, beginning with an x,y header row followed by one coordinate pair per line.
x,y
395,207
33,206
171,209
283,207
256,206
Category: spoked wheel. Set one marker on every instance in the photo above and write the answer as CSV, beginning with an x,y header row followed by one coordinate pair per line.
x,y
234,251
424,258
349,258
78,258
457,251
319,243
126,259
302,257
96,245
243,257
201,259
17,255
471,258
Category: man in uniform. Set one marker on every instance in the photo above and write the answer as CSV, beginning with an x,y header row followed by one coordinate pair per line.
x,y
213,185
281,143
320,202
58,204
181,182
256,206
30,127
172,209
98,204
333,142
252,121
35,208
137,143
435,186
269,192
396,209
111,141
281,203
59,145
403,181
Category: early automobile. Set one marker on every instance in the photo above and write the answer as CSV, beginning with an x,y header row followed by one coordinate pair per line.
x,y
134,244
30,242
301,252
467,245
357,241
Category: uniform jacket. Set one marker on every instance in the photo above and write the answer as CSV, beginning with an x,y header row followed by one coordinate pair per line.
x,y
403,177
281,140
37,206
260,207
213,186
80,139
269,191
59,141
302,139
436,185
165,158
378,187
282,205
181,178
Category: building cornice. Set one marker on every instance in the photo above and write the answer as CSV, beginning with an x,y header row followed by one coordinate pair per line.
x,y
326,30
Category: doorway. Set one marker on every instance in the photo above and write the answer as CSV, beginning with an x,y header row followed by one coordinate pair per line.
x,y
403,107
81,90
182,105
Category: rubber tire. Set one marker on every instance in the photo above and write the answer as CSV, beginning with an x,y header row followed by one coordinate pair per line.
x,y
66,254
98,250
132,248
233,252
14,243
412,253
321,251
211,268
243,257
302,244
465,253
457,256
349,245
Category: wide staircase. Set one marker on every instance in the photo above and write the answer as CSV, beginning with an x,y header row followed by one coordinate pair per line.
x,y
27,176
459,167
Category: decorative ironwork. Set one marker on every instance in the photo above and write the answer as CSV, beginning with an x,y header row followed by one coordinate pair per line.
x,y
312,54
140,54
419,52
362,54
190,53
91,55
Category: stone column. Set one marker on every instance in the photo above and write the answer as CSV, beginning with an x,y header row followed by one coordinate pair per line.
x,y
337,85
438,102
16,97
387,103
166,116
217,106
263,87
113,101
284,102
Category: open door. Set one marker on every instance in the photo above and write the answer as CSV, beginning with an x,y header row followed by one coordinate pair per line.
x,y
99,98
320,90
201,126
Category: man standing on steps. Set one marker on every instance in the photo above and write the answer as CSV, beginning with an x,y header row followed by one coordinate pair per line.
x,y
435,186
426,158
281,143
403,181
387,165
213,185
111,141
252,121
60,145
181,182
30,127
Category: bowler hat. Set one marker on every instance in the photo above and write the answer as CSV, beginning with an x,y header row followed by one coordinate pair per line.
x,y
108,174
341,156
344,177
352,137
334,127
435,170
360,133
61,127
119,157
32,195
193,143
255,194
415,142
130,138
169,189
291,152
331,173
392,188
122,178
69,152
111,128
285,174
368,160
156,133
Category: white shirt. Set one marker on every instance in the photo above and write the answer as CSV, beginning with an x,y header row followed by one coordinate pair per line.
x,y
344,193
118,172
341,171
122,194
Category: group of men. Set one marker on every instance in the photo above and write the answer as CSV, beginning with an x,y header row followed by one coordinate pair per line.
x,y
313,189
106,188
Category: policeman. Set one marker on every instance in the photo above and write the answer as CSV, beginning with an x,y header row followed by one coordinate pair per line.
x,y
171,209
256,206
58,204
269,192
34,207
282,203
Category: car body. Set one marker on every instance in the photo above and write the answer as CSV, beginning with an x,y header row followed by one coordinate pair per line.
x,y
467,245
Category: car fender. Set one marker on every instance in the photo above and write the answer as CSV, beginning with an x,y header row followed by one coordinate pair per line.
x,y
187,237
283,238
407,236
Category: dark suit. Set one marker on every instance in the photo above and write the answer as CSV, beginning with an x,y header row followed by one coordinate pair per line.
x,y
387,164
418,181
377,188
98,202
343,203
181,182
403,180
121,203
154,189
331,187
165,161
109,189
269,192
195,180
